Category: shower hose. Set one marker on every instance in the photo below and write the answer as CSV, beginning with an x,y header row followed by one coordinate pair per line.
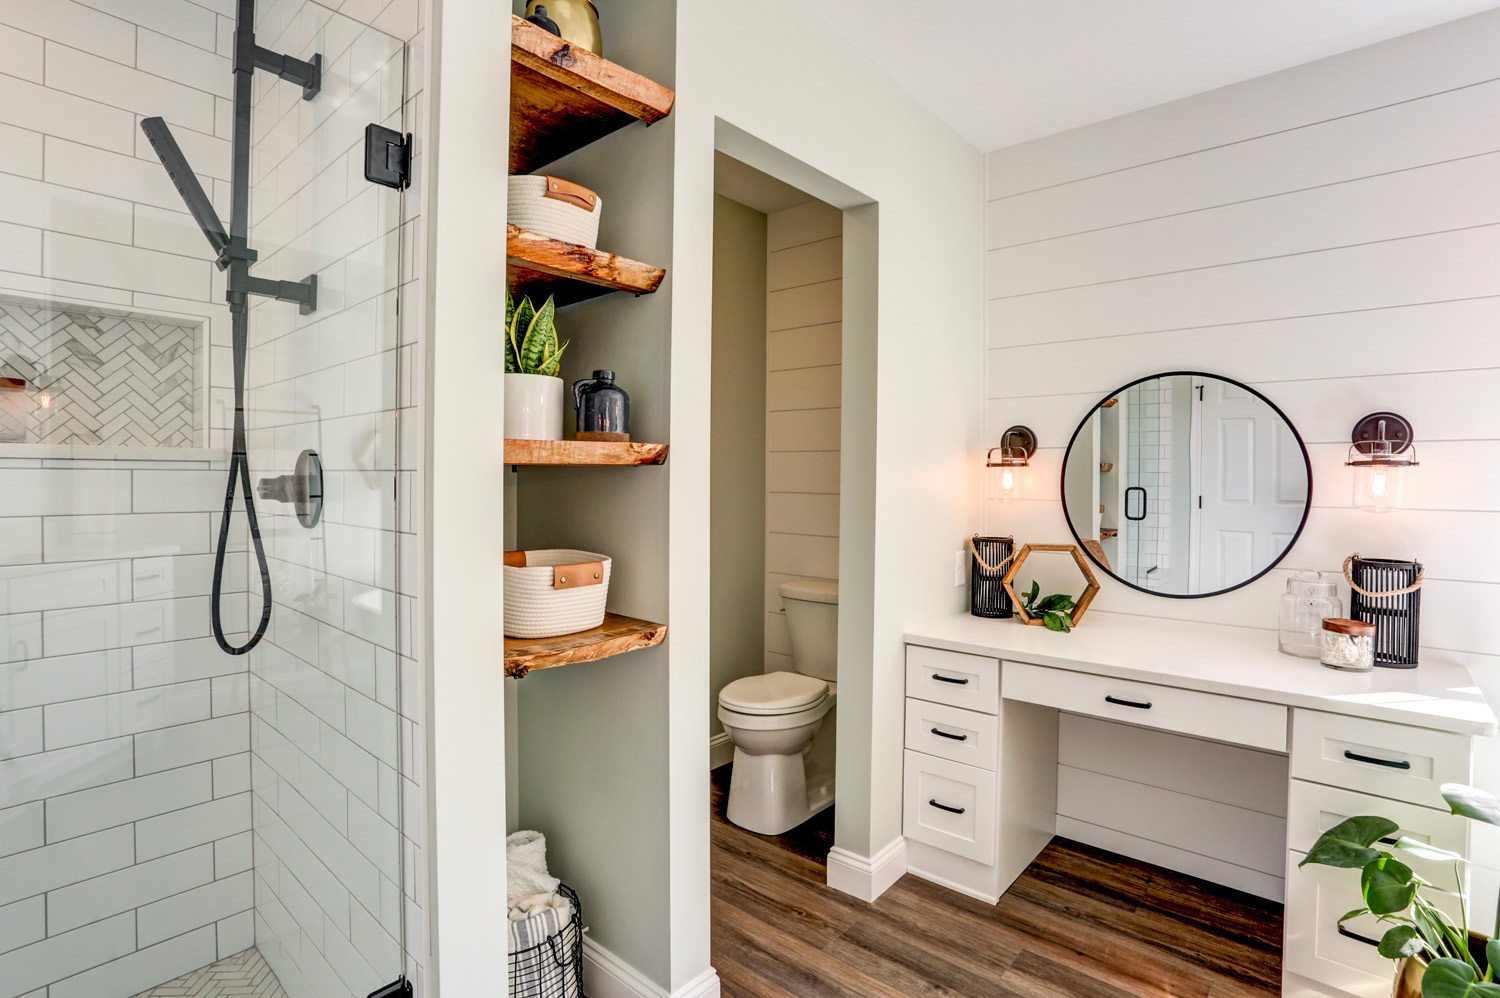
x,y
239,476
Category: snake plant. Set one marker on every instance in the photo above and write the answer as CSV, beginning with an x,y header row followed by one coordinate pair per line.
x,y
531,345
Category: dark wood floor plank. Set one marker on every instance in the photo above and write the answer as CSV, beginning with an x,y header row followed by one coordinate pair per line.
x,y
811,912
797,967
1080,923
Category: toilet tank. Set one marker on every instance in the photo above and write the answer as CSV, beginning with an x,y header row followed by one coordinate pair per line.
x,y
812,617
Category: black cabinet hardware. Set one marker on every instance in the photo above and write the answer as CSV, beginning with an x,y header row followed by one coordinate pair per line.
x,y
945,734
950,679
1357,937
1392,763
945,807
1127,703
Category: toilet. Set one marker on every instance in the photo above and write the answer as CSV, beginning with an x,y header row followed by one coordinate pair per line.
x,y
781,722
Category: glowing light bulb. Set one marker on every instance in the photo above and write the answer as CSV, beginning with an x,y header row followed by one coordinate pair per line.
x,y
1380,486
1008,481
45,399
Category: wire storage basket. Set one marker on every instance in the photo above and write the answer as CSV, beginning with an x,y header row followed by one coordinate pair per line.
x,y
988,558
553,968
1388,594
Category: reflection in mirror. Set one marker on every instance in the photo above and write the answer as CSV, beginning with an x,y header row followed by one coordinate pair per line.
x,y
1186,485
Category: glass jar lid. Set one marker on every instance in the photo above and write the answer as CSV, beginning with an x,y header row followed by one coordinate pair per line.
x,y
1313,585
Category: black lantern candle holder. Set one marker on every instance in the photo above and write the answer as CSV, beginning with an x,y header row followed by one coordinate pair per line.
x,y
1388,594
989,557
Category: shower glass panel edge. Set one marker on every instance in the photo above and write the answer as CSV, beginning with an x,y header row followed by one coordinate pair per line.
x,y
168,812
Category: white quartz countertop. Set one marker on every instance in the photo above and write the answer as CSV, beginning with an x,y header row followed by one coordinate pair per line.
x,y
1234,661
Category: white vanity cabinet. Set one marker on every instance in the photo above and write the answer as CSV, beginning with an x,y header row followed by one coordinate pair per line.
x,y
981,760
1343,766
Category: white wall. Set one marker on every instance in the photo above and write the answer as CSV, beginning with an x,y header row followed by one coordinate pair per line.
x,y
804,339
737,557
747,71
124,731
1325,234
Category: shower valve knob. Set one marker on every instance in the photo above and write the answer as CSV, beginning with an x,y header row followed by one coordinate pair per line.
x,y
303,488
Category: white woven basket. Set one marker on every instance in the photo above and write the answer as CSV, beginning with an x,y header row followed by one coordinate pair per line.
x,y
554,592
565,215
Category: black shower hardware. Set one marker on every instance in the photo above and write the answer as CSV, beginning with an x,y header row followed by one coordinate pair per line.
x,y
303,488
235,257
1128,492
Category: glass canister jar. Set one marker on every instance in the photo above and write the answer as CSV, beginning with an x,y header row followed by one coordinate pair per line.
x,y
1310,599
1348,645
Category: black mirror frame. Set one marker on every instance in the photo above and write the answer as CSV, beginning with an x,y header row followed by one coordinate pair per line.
x,y
1063,481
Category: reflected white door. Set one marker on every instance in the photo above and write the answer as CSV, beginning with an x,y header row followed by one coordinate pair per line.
x,y
1251,486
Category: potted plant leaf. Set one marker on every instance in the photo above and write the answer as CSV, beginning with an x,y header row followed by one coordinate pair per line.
x,y
1053,610
533,358
1438,956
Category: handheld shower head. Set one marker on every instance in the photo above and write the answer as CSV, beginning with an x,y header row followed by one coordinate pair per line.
x,y
186,182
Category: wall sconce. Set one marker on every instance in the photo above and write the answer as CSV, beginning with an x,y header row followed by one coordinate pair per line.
x,y
1004,465
1382,449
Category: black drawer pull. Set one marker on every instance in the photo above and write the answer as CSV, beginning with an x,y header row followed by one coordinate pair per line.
x,y
1127,703
948,734
1357,937
1392,763
945,807
949,679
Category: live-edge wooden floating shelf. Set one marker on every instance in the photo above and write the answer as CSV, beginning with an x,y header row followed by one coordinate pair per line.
x,y
616,636
583,453
563,97
538,266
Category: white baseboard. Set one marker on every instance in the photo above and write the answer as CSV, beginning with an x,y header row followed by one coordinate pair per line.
x,y
607,976
720,751
867,877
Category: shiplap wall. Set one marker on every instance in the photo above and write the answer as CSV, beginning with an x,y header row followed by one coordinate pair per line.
x,y
1327,234
804,284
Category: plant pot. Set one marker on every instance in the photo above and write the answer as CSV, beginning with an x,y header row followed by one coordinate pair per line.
x,y
1409,971
533,407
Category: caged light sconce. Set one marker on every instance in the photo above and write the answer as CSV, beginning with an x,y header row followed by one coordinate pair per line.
x,y
1005,465
1382,448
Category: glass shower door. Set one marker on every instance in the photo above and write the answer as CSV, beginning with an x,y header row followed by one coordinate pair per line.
x,y
171,814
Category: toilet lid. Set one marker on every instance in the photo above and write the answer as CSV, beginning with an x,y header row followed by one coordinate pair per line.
x,y
773,693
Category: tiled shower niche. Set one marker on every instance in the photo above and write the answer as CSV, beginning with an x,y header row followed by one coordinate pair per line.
x,y
83,376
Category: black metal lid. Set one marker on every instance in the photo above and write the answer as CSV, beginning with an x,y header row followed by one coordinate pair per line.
x,y
604,375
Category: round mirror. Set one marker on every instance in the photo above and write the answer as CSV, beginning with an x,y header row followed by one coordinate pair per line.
x,y
1186,484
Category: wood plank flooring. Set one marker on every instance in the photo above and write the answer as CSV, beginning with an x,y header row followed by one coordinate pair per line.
x,y
1080,923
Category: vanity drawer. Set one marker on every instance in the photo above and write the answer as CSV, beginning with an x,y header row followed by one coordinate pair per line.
x,y
950,806
1188,712
1377,757
1315,948
968,681
1312,809
965,736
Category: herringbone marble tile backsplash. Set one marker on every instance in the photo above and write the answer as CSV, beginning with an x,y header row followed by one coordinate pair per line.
x,y
113,379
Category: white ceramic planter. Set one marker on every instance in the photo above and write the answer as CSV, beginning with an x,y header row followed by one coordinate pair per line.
x,y
533,407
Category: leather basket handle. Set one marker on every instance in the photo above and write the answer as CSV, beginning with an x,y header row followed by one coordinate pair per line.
x,y
574,194
588,573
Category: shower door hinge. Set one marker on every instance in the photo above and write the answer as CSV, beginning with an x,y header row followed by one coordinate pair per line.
x,y
387,157
400,988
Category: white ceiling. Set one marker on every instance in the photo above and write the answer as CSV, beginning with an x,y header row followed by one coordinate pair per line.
x,y
1005,71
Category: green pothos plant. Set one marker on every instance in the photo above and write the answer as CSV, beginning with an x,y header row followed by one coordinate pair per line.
x,y
531,345
1054,610
1393,893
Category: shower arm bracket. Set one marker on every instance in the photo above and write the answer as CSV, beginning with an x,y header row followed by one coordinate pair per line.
x,y
307,75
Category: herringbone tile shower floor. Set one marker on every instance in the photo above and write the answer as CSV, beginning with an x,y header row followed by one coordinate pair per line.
x,y
244,975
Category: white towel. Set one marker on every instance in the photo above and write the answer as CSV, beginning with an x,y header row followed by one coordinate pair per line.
x,y
526,867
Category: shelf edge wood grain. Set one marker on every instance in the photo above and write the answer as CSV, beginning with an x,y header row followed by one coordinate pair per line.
x,y
583,453
616,636
563,97
539,266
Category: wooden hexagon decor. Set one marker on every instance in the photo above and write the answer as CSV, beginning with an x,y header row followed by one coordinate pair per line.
x,y
1089,592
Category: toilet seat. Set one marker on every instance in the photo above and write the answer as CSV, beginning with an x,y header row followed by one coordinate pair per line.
x,y
774,693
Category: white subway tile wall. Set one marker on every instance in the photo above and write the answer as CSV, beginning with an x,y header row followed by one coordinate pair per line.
x,y
804,285
140,842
